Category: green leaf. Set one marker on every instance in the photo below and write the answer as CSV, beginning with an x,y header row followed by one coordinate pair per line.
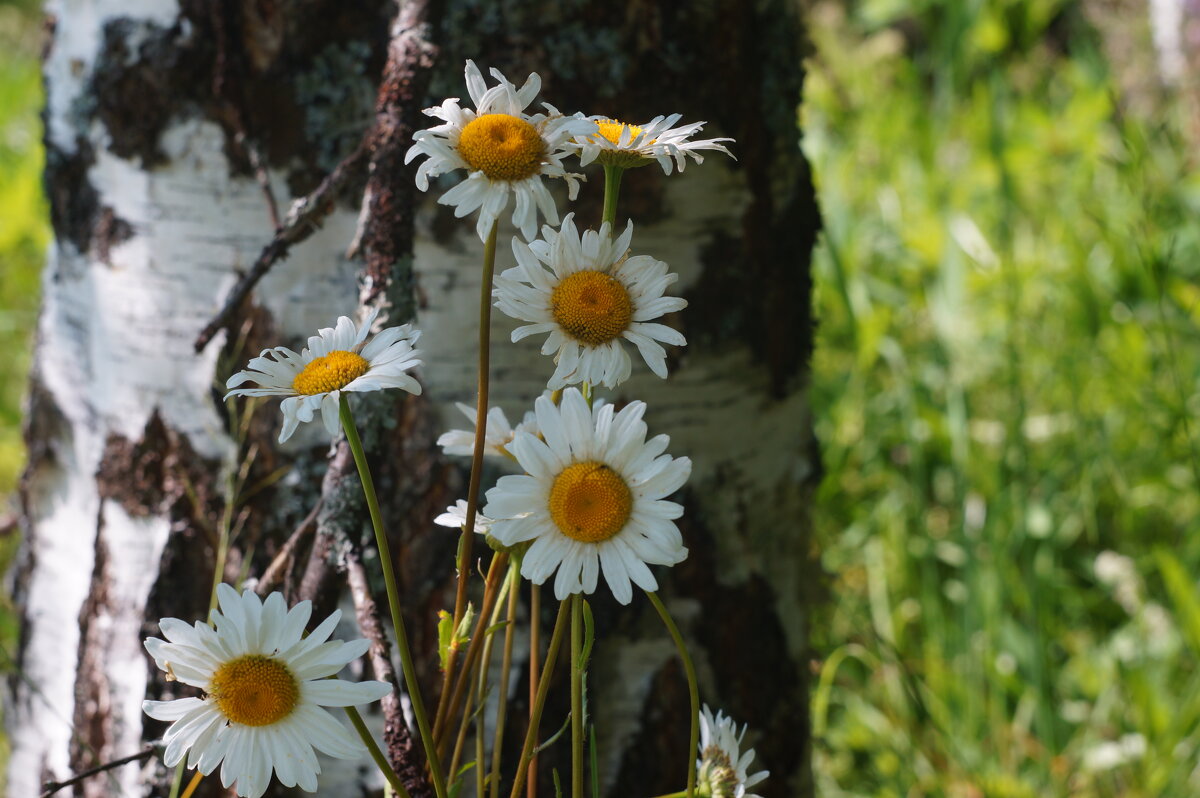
x,y
1182,591
448,641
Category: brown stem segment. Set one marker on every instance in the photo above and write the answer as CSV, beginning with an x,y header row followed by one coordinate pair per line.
x,y
535,624
514,595
490,591
535,715
467,540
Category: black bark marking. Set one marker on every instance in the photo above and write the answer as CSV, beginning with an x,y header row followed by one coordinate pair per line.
x,y
91,744
138,93
150,475
46,428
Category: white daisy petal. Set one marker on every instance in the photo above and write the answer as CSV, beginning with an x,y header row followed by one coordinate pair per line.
x,y
584,291
619,144
455,517
595,508
336,693
336,359
518,530
535,145
170,710
497,436
264,686
722,767
615,575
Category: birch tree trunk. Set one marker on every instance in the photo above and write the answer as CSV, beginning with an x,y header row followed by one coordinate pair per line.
x,y
168,124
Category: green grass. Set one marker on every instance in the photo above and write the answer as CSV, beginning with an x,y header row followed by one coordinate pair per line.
x,y
24,229
24,235
1006,387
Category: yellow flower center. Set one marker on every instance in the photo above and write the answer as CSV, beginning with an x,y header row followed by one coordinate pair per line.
x,y
590,502
502,146
612,130
591,307
255,690
335,370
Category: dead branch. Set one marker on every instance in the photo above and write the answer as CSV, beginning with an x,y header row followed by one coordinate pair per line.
x,y
51,787
274,573
397,737
303,219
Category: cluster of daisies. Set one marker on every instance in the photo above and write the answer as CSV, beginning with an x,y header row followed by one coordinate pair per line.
x,y
590,495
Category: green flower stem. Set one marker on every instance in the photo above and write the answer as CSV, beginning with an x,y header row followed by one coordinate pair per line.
x,y
576,696
612,188
693,690
490,590
476,697
539,701
481,408
460,739
679,794
389,579
177,781
514,594
380,760
535,651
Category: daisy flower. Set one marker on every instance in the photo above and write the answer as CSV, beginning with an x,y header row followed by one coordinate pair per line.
x,y
503,148
627,146
455,517
264,684
336,359
588,294
721,770
496,437
592,498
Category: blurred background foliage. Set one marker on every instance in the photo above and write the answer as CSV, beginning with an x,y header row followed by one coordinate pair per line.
x,y
1006,392
24,235
1005,386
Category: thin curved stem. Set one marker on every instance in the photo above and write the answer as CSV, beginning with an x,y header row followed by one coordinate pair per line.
x,y
576,696
507,589
460,739
481,409
535,652
514,594
477,696
377,755
192,785
389,579
490,590
539,702
693,689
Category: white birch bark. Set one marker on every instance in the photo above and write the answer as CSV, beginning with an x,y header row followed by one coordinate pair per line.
x,y
115,345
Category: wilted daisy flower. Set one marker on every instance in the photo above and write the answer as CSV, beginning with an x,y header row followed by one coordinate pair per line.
x,y
264,684
496,437
336,359
592,498
455,517
588,295
624,145
721,771
502,147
